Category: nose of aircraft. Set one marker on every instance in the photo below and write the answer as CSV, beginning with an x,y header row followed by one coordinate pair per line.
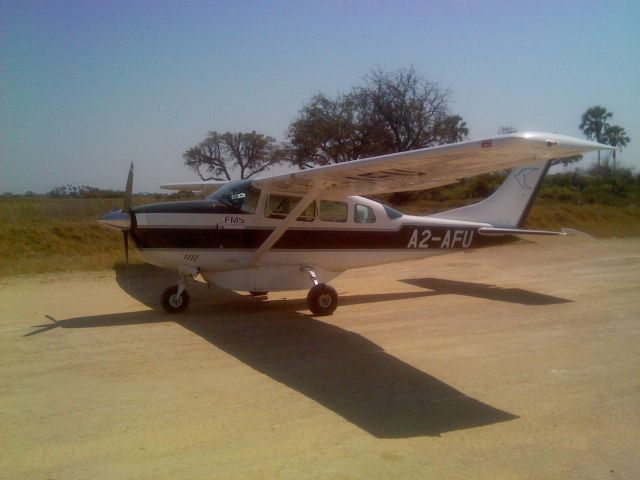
x,y
117,220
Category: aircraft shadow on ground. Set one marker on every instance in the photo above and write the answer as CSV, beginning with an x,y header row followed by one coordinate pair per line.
x,y
341,370
482,290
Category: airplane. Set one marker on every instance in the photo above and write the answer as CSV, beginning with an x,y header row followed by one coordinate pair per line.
x,y
299,230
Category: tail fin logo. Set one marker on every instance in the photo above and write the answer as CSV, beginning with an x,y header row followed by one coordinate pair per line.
x,y
523,175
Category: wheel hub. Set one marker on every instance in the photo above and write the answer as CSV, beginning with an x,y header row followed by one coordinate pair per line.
x,y
324,300
175,301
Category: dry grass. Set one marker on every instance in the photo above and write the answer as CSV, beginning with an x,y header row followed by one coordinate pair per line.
x,y
55,235
597,220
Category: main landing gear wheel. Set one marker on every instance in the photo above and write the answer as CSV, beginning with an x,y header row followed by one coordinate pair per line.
x,y
172,303
322,299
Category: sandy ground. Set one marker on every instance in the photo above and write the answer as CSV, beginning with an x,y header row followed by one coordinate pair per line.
x,y
517,362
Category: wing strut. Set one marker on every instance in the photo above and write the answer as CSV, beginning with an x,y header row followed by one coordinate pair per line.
x,y
286,223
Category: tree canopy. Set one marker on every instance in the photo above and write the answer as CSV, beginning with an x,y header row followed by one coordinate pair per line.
x,y
391,112
219,155
595,126
594,123
615,136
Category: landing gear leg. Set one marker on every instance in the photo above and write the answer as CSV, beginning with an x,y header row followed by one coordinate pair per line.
x,y
322,298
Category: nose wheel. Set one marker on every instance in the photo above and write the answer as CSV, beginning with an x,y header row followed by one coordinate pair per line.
x,y
175,299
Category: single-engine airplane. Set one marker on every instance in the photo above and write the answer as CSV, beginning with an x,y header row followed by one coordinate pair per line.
x,y
300,230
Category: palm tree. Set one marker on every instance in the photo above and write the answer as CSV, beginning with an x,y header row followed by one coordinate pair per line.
x,y
594,123
616,136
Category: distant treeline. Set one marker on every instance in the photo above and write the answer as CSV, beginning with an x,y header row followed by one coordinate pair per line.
x,y
598,186
85,191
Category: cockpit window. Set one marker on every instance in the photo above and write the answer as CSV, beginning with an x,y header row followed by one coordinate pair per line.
x,y
239,194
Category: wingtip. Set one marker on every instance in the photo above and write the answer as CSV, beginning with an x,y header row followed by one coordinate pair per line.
x,y
572,232
557,139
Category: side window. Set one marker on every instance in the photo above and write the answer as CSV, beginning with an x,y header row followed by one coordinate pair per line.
x,y
279,206
333,211
364,214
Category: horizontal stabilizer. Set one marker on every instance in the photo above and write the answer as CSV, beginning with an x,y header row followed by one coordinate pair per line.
x,y
519,231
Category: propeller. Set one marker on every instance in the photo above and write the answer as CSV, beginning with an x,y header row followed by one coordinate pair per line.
x,y
128,191
122,219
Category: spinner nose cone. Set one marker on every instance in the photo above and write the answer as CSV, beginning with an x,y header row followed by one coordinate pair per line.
x,y
117,220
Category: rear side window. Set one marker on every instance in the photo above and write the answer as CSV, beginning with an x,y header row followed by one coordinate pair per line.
x,y
392,213
331,211
364,214
279,206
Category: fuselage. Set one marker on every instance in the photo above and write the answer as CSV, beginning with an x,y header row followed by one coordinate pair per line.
x,y
219,235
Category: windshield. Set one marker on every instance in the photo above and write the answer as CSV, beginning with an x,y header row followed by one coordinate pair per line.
x,y
239,194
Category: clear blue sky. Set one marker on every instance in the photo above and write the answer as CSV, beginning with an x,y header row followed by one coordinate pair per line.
x,y
88,86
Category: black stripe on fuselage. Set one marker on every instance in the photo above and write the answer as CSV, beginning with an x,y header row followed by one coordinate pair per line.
x,y
407,237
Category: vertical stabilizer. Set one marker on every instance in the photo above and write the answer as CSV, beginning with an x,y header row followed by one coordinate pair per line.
x,y
510,204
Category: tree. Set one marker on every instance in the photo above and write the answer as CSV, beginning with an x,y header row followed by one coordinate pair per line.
x,y
594,123
507,129
615,136
220,155
335,131
451,129
408,105
391,112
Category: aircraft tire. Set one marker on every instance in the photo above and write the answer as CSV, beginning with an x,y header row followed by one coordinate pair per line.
x,y
173,304
322,299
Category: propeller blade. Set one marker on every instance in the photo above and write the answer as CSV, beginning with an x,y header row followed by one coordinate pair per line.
x,y
128,191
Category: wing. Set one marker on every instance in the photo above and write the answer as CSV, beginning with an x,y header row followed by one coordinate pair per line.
x,y
204,187
432,167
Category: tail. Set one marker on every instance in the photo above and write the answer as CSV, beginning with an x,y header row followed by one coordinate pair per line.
x,y
510,204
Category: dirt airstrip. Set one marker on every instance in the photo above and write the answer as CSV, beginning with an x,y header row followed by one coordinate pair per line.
x,y
515,362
